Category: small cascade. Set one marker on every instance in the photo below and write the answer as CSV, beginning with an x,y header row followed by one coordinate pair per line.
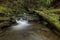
x,y
22,23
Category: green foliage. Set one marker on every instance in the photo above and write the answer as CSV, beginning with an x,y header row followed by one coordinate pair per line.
x,y
46,2
2,9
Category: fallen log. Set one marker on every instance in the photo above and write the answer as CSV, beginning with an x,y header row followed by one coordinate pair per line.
x,y
50,16
52,10
4,18
4,24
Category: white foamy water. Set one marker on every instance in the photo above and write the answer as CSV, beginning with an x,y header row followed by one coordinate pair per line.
x,y
21,24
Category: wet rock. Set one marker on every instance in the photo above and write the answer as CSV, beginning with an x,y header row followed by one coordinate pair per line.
x,y
29,17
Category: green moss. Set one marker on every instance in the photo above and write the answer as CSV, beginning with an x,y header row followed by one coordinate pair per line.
x,y
50,16
2,9
4,18
53,18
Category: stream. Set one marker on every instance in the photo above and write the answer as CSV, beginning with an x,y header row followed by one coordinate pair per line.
x,y
26,30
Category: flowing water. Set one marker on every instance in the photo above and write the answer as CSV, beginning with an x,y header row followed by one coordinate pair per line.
x,y
21,24
25,30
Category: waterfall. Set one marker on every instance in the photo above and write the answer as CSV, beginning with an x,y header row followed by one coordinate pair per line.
x,y
21,23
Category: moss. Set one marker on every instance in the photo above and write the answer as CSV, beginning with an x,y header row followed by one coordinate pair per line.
x,y
50,16
4,18
2,9
53,18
